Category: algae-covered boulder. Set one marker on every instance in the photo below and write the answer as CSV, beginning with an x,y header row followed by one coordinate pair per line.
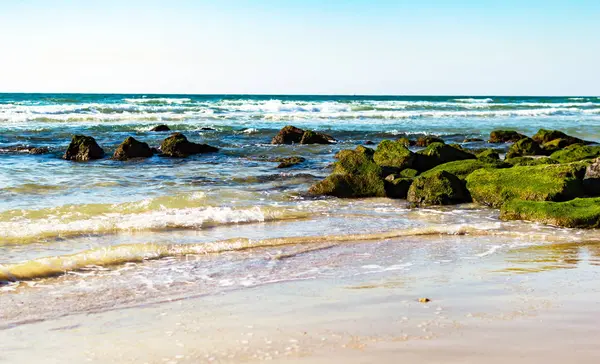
x,y
545,136
391,154
289,161
523,147
463,168
178,146
83,148
591,180
530,161
439,153
355,174
408,173
313,137
576,152
556,182
488,155
427,140
161,127
132,148
505,136
555,145
439,188
577,213
397,186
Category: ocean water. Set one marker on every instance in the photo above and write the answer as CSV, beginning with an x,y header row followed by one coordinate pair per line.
x,y
166,227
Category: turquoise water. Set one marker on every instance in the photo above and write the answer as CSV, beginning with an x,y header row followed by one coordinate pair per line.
x,y
58,216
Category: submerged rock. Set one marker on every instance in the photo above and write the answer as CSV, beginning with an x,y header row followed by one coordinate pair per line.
x,y
83,148
558,182
292,135
289,161
437,188
132,148
355,174
523,147
425,141
576,152
577,213
505,136
161,127
439,153
178,146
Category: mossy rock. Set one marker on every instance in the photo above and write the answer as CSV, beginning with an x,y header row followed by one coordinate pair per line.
x,y
463,168
558,182
438,188
439,153
132,148
523,147
289,161
425,141
83,148
288,135
505,136
488,155
406,142
545,136
397,186
408,173
576,152
313,137
355,174
530,161
577,213
591,180
391,154
177,146
555,145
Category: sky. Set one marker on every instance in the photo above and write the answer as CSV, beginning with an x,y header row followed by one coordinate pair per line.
x,y
426,47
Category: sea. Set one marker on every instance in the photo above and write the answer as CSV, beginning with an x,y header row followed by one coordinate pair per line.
x,y
78,237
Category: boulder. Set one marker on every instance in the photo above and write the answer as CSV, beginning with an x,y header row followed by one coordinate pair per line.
x,y
408,173
406,142
577,213
397,186
355,174
463,168
132,148
427,140
523,147
393,155
488,155
161,127
554,182
505,136
555,145
288,135
472,140
576,152
313,137
438,188
178,146
591,180
83,148
545,136
530,161
289,161
439,153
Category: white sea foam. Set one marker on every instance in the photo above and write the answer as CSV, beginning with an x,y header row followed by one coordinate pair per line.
x,y
471,100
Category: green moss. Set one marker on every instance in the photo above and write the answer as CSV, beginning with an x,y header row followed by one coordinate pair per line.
x,y
546,136
463,168
503,136
488,154
439,153
355,174
396,186
558,182
555,145
576,152
525,146
438,188
393,155
409,173
577,213
529,161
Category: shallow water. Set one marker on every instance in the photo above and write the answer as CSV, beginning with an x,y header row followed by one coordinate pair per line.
x,y
86,237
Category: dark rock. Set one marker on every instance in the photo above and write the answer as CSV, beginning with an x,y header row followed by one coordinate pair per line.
x,y
40,150
369,142
83,148
472,140
289,161
207,129
161,128
288,135
132,148
178,146
505,136
313,137
591,180
439,188
397,186
427,140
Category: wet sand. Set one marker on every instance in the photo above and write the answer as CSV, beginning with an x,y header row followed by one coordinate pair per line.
x,y
523,305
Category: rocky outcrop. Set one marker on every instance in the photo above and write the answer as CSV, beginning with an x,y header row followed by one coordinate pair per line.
x,y
292,135
83,148
505,136
437,188
524,147
132,148
578,213
177,146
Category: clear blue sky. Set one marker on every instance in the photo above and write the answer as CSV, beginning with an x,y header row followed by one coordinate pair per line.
x,y
301,47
